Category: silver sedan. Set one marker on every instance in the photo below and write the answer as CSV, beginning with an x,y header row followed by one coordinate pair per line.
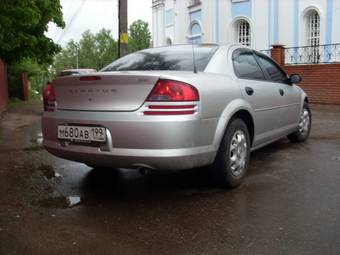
x,y
176,108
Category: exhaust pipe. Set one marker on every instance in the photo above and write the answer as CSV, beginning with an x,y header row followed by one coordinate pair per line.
x,y
143,170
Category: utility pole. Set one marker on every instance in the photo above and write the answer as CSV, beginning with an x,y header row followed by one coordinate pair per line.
x,y
123,28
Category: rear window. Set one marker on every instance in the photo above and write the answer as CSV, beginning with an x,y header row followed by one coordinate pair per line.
x,y
177,58
75,71
66,73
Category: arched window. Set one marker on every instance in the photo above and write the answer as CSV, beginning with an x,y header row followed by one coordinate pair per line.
x,y
313,28
195,33
195,29
311,36
243,33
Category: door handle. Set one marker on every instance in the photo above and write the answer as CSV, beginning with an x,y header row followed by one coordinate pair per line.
x,y
282,92
249,90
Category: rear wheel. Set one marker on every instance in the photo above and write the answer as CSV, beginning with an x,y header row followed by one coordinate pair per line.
x,y
232,159
303,131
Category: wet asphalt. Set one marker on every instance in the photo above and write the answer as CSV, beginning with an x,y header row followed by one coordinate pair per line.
x,y
288,204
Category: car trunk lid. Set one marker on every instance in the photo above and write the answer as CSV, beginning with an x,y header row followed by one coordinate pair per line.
x,y
104,91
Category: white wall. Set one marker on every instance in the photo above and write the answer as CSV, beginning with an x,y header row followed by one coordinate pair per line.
x,y
261,36
286,22
259,19
336,22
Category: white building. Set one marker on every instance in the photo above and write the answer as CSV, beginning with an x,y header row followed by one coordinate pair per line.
x,y
258,23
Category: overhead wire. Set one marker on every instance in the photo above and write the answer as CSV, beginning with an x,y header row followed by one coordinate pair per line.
x,y
74,16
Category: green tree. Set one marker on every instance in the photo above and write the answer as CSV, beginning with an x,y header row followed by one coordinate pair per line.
x,y
139,36
87,52
67,58
22,27
106,48
92,51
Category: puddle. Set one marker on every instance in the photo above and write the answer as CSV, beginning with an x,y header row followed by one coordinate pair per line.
x,y
73,201
36,143
60,202
48,171
23,126
35,147
39,139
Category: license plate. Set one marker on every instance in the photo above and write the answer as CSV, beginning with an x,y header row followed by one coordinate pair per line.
x,y
82,133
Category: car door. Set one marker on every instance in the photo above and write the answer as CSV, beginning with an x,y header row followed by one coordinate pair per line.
x,y
289,99
263,99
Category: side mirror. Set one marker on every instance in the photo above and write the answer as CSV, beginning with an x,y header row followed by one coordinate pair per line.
x,y
294,79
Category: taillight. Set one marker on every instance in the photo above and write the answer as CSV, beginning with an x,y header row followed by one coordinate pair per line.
x,y
49,98
167,92
90,78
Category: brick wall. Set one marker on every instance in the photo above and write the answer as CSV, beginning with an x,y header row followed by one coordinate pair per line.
x,y
3,86
320,81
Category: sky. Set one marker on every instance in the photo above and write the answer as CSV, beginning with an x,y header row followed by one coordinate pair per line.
x,y
80,15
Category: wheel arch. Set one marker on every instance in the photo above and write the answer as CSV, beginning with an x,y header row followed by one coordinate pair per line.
x,y
248,120
238,108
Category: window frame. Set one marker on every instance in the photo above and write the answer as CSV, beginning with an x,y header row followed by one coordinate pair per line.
x,y
195,38
169,17
238,27
266,75
313,28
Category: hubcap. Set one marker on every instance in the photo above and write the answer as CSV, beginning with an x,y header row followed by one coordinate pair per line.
x,y
238,152
304,122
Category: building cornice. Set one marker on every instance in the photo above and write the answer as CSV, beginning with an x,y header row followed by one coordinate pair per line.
x,y
157,3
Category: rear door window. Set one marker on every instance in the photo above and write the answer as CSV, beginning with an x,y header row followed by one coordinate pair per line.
x,y
274,71
246,66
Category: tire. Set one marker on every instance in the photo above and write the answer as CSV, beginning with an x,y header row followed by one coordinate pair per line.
x,y
304,128
229,173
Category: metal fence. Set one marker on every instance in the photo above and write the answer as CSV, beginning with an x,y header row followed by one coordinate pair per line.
x,y
327,53
267,52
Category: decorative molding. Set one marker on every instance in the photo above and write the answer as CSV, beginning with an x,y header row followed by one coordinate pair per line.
x,y
157,3
194,3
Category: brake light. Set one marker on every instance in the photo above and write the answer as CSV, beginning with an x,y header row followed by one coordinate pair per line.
x,y
49,98
171,97
90,78
169,90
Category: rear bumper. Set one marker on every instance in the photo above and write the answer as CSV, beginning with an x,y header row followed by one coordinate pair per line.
x,y
166,142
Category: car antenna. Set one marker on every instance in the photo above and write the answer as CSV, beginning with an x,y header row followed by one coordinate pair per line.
x,y
193,56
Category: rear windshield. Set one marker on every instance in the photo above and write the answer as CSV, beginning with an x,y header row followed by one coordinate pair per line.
x,y
74,72
177,58
66,73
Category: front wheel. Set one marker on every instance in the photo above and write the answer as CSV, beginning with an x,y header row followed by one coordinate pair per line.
x,y
232,160
305,123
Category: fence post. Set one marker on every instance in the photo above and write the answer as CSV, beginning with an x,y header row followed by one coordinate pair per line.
x,y
278,53
3,86
24,78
